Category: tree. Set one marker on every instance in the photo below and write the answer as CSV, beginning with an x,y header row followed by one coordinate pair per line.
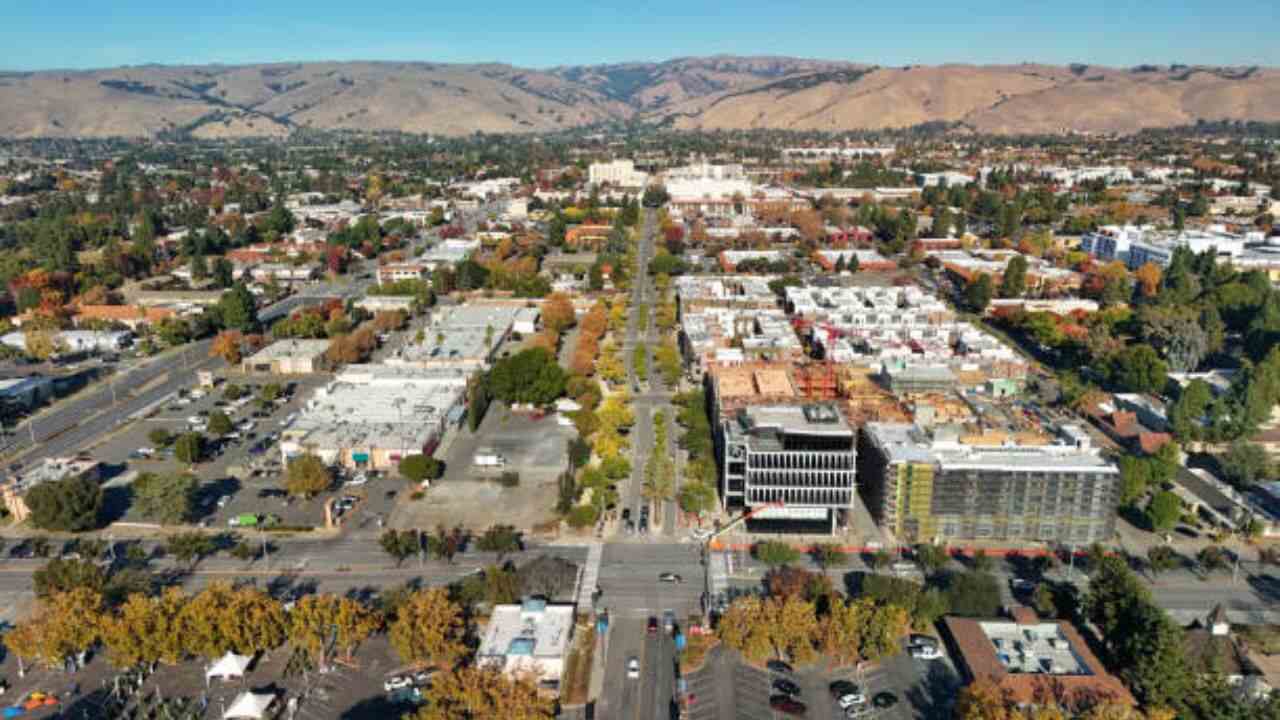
x,y
160,437
828,555
419,467
58,576
1014,281
429,629
167,499
238,309
557,312
978,293
1148,277
220,424
547,575
244,620
400,544
1139,369
146,630
190,547
189,448
1245,463
478,693
62,626
68,505
307,476
697,498
227,346
1164,511
317,620
530,376
774,553
932,557
500,539
1161,558
973,594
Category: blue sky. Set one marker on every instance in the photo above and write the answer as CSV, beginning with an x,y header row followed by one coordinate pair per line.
x,y
37,34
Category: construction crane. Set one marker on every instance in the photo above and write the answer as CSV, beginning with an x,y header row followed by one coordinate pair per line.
x,y
741,519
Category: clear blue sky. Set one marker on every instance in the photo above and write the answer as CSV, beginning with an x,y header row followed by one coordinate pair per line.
x,y
36,34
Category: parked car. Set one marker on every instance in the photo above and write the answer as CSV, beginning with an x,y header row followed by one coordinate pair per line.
x,y
653,625
399,682
852,698
779,666
785,704
223,501
357,480
926,652
785,686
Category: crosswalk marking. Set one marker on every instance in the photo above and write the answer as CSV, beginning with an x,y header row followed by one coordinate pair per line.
x,y
590,576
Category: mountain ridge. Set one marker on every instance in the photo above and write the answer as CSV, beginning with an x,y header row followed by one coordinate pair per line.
x,y
709,93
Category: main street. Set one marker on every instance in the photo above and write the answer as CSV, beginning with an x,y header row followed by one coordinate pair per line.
x,y
75,423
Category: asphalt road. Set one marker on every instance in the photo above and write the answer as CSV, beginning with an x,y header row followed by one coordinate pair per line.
x,y
76,423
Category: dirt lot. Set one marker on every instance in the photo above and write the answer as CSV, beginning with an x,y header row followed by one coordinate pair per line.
x,y
536,449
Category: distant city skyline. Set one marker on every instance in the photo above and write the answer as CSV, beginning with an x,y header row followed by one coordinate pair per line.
x,y
84,35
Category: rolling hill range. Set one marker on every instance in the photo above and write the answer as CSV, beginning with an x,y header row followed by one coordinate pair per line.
x,y
720,92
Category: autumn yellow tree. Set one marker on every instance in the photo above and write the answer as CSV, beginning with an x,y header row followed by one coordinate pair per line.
x,y
1148,279
480,693
557,312
62,625
316,620
221,618
146,630
227,346
41,344
429,629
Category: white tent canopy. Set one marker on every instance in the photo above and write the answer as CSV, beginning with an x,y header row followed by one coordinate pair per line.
x,y
249,706
229,666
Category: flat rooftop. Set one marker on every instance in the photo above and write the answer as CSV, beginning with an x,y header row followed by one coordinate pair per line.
x,y
531,629
812,419
282,349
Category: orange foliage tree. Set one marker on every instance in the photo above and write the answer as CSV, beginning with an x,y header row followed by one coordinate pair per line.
x,y
227,346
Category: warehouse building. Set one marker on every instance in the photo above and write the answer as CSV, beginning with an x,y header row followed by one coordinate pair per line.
x,y
937,485
289,357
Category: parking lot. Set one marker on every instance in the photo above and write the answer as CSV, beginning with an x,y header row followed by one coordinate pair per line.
x,y
896,688
240,474
535,449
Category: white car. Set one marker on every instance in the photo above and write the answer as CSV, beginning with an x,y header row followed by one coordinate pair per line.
x,y
359,479
399,682
852,699
926,652
633,667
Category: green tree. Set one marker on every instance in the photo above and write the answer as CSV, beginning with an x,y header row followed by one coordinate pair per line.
x,y
1164,511
307,476
774,553
973,594
190,547
189,448
828,555
1138,368
420,467
697,497
400,544
530,376
932,557
238,309
220,424
1014,282
500,539
58,576
1245,463
69,505
167,499
978,293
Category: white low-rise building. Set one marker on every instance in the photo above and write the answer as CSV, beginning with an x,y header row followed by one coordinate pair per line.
x,y
530,639
617,173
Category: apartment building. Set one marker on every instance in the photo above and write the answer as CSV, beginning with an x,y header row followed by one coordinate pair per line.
x,y
617,173
937,485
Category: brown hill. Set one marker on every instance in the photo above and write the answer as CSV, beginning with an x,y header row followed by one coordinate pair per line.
x,y
720,92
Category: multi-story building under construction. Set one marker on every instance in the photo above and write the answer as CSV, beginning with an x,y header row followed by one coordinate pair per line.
x,y
937,486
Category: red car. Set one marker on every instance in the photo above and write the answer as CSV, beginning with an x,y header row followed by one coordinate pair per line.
x,y
653,624
787,704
